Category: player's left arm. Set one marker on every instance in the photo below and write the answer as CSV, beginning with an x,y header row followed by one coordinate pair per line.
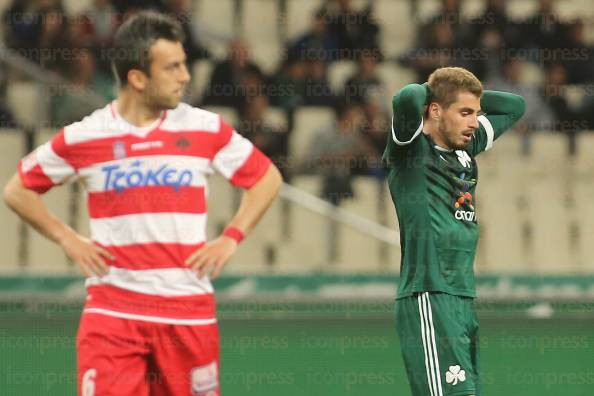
x,y
501,111
248,168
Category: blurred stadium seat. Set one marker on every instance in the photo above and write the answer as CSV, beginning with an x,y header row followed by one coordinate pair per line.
x,y
308,122
260,30
299,16
201,71
11,151
339,72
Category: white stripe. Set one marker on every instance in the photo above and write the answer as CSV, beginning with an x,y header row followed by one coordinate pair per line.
x,y
155,319
233,155
53,166
187,118
98,125
183,228
430,383
161,167
101,124
417,133
432,334
434,378
488,130
166,282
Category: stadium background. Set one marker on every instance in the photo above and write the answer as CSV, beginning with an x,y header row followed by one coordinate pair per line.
x,y
306,305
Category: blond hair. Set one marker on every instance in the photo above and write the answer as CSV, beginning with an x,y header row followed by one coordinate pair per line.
x,y
445,83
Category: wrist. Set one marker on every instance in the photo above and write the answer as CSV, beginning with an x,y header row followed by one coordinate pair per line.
x,y
234,233
64,235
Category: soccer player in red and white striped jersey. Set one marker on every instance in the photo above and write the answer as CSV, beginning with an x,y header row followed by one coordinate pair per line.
x,y
148,325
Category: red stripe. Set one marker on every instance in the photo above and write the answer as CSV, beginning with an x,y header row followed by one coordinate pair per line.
x,y
252,170
59,145
151,199
151,255
194,143
35,179
200,306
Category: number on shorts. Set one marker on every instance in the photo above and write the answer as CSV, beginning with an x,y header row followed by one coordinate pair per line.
x,y
88,382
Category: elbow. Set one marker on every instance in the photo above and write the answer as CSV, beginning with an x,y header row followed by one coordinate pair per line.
x,y
9,194
520,107
12,193
277,179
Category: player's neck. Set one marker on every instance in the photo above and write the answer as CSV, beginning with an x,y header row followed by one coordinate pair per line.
x,y
132,108
431,127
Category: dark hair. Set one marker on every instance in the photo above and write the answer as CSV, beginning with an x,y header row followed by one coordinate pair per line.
x,y
136,36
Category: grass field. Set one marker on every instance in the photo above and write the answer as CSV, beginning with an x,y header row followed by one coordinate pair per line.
x,y
321,356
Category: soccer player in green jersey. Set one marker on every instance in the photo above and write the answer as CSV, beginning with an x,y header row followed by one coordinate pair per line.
x,y
437,130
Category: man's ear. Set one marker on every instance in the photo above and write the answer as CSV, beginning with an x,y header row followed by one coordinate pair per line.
x,y
434,110
137,79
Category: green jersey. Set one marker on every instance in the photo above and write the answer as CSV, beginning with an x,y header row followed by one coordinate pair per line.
x,y
433,190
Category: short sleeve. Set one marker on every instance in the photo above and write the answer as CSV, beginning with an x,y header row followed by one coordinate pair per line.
x,y
46,166
238,160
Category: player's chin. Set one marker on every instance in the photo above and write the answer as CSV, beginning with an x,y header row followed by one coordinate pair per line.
x,y
171,104
461,144
464,140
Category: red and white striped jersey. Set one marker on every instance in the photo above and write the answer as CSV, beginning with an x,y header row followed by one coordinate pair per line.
x,y
147,192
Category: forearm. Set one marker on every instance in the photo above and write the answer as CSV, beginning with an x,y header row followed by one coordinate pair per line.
x,y
503,103
502,109
257,200
408,108
30,207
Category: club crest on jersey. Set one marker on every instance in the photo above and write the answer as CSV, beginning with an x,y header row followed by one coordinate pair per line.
x,y
119,150
137,176
205,380
464,158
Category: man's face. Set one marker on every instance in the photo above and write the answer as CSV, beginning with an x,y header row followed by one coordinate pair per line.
x,y
168,74
458,122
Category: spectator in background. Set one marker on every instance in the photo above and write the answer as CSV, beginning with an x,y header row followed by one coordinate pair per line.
x,y
544,29
567,120
86,89
128,7
272,140
6,118
365,82
336,151
317,87
39,31
232,77
580,62
182,11
22,27
290,85
437,51
95,31
538,115
355,31
317,44
495,17
374,132
449,14
56,39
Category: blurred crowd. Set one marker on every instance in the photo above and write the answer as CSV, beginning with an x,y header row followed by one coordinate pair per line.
x,y
499,49
496,47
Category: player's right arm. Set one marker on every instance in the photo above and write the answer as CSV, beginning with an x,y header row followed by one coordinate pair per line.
x,y
408,107
40,171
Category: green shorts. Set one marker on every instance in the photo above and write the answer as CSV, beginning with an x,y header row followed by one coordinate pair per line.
x,y
439,342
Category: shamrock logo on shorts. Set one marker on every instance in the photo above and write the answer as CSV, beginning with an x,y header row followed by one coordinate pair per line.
x,y
455,374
